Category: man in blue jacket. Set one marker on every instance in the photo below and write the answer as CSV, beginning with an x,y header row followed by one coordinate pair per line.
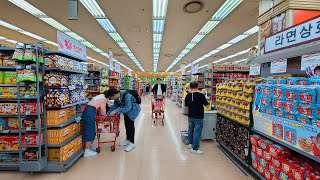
x,y
127,105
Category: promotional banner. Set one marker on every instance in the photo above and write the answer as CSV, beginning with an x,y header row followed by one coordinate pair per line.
x,y
111,68
305,137
278,66
71,46
117,68
183,69
311,61
296,35
255,69
195,69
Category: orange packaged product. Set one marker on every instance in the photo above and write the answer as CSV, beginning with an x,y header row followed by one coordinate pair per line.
x,y
13,143
57,136
55,117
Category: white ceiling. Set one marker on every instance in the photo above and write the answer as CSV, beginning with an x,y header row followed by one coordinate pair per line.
x,y
133,21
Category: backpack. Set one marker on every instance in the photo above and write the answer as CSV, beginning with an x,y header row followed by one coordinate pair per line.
x,y
135,94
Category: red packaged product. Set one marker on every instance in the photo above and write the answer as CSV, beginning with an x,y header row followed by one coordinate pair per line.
x,y
268,175
274,170
279,152
288,166
255,164
253,149
32,139
259,152
277,163
261,170
264,144
254,139
267,156
298,172
278,104
312,176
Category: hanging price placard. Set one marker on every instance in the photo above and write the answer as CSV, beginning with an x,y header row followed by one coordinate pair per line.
x,y
117,68
129,73
311,61
278,66
255,69
111,61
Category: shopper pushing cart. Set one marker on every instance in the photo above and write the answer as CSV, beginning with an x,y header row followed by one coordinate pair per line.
x,y
126,103
157,108
159,90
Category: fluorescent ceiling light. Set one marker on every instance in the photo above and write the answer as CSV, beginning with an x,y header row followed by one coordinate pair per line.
x,y
191,45
116,37
123,45
227,7
234,55
11,41
159,9
156,50
157,37
2,38
106,24
224,46
75,36
28,7
208,27
252,30
238,38
88,44
156,45
240,61
126,50
98,61
158,25
55,24
93,7
10,26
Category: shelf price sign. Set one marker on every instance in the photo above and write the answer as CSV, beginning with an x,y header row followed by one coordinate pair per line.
x,y
311,61
278,66
71,46
255,69
297,35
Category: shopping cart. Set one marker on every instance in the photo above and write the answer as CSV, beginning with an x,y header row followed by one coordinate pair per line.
x,y
107,124
157,108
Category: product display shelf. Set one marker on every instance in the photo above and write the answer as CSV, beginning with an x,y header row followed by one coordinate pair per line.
x,y
225,148
208,89
104,81
114,80
53,166
63,54
286,145
256,173
33,156
4,68
63,70
94,82
242,124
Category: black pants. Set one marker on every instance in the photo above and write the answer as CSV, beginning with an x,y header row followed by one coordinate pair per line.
x,y
130,129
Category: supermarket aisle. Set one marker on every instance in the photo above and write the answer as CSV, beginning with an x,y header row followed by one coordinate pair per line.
x,y
160,155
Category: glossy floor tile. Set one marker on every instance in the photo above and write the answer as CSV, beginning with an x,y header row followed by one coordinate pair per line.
x,y
159,155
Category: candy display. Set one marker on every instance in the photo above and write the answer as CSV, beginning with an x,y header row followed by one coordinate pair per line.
x,y
9,143
56,97
56,61
233,136
274,161
28,75
76,80
54,79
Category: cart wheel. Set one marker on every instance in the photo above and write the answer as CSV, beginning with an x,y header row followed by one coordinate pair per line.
x,y
113,148
98,149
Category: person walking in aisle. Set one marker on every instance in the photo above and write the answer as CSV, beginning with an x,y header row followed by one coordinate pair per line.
x,y
128,105
159,89
148,89
99,103
195,102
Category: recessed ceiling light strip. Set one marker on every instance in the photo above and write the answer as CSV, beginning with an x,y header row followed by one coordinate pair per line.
x,y
159,11
42,16
233,41
93,7
227,7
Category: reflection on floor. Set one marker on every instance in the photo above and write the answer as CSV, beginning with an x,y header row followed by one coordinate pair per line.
x,y
160,155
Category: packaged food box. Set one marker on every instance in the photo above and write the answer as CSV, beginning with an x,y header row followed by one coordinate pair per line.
x,y
31,154
56,97
59,135
8,108
1,77
8,92
64,153
55,80
13,123
10,77
18,53
31,108
3,124
28,75
55,117
32,139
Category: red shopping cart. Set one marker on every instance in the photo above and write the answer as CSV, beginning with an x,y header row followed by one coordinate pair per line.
x,y
157,108
107,124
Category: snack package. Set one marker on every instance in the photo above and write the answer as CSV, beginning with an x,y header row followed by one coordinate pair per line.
x,y
267,156
290,107
276,163
29,53
297,81
10,77
267,90
288,166
291,93
1,77
3,124
304,119
279,152
279,91
278,104
279,81
268,81
264,144
307,110
275,171
18,53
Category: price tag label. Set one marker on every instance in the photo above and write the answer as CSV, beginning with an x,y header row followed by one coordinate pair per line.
x,y
311,61
28,129
278,66
28,66
255,69
78,119
72,87
18,67
85,86
5,131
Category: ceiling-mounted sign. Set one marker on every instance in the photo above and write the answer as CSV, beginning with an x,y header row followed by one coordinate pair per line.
x,y
71,46
195,69
311,61
129,72
111,61
278,66
300,34
255,69
183,69
117,68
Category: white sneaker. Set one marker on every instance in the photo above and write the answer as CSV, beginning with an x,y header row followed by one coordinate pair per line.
x,y
199,152
125,143
89,153
93,148
130,147
190,146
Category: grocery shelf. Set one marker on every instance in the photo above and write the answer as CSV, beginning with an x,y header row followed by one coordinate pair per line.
x,y
9,166
94,71
242,124
69,121
63,54
9,151
2,68
56,166
286,145
93,91
68,105
245,164
255,172
93,85
7,49
229,71
10,85
66,141
31,146
33,166
64,70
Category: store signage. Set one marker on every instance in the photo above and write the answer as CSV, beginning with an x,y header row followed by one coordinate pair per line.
x,y
195,69
111,61
71,46
300,34
278,66
293,133
129,73
311,61
183,69
117,68
255,69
